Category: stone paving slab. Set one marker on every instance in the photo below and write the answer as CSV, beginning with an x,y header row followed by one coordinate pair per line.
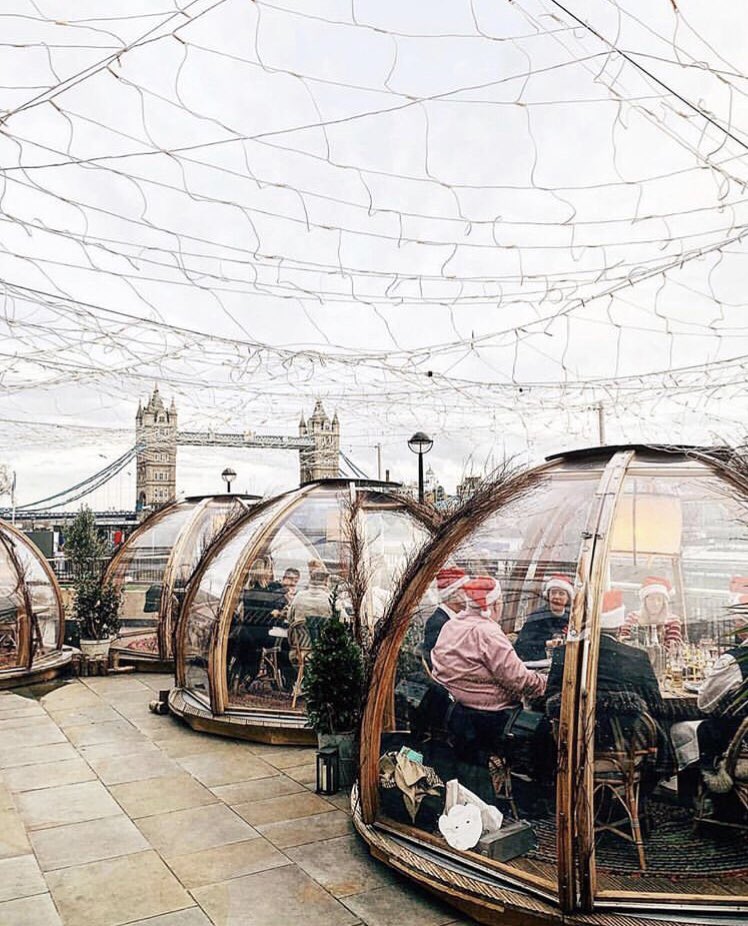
x,y
92,841
221,863
116,891
226,768
304,774
192,916
88,800
175,792
30,911
342,866
113,770
287,807
107,732
13,838
395,905
198,828
20,877
259,789
34,755
281,897
307,829
47,775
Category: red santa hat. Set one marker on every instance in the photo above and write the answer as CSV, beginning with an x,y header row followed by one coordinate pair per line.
x,y
559,580
655,585
482,592
612,613
449,579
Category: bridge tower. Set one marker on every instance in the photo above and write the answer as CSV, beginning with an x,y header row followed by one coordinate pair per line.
x,y
156,440
322,460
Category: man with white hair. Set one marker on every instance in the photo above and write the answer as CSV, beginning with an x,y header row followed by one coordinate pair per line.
x,y
449,582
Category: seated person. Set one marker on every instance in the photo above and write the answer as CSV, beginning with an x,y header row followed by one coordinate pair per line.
x,y
449,582
654,594
724,695
476,663
548,621
626,683
262,602
290,582
314,599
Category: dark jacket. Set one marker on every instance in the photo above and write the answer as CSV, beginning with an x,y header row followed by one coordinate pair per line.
x,y
626,685
431,632
620,668
540,626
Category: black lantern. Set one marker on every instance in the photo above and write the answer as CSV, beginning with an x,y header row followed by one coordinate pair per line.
x,y
328,770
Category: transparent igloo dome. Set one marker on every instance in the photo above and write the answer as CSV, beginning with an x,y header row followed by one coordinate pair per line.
x,y
556,726
32,622
154,565
261,595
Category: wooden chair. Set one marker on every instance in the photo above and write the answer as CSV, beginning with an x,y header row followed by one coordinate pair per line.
x,y
269,665
618,772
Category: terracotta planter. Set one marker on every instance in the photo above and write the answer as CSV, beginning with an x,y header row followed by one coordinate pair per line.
x,y
95,648
347,754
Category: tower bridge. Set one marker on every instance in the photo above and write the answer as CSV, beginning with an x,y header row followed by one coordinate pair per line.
x,y
157,437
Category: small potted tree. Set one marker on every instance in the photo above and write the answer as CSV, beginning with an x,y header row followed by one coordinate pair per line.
x,y
333,689
97,603
97,606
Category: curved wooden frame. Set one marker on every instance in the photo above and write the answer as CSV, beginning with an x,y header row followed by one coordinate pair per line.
x,y
578,893
28,661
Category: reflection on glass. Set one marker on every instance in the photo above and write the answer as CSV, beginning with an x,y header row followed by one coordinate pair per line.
x,y
671,788
201,620
471,722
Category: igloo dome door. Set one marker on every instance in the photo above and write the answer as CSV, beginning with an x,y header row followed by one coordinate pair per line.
x,y
31,613
568,652
262,594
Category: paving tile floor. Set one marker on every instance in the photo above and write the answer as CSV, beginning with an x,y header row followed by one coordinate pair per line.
x,y
113,816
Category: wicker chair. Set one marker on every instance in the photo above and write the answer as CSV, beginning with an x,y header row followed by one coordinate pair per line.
x,y
301,638
618,771
734,764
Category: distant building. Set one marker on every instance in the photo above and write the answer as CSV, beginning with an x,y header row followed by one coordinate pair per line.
x,y
156,440
323,460
467,487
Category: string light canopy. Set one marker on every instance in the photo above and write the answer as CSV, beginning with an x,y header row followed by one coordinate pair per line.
x,y
485,224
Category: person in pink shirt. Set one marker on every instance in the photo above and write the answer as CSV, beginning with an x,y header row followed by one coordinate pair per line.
x,y
474,660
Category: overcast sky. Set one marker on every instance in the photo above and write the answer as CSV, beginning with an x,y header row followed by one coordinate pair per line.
x,y
479,222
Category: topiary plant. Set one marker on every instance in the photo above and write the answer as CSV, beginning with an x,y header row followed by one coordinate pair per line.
x,y
334,679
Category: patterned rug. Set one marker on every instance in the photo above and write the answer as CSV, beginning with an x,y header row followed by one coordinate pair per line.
x,y
144,644
673,849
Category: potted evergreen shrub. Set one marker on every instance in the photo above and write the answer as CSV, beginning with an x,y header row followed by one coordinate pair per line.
x,y
97,603
333,689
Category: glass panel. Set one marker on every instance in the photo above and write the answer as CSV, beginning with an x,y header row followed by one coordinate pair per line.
x,y
140,573
670,770
297,577
11,606
46,613
477,650
389,539
201,622
208,521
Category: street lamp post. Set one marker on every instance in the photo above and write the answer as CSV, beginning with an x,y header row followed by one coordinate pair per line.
x,y
420,443
228,476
